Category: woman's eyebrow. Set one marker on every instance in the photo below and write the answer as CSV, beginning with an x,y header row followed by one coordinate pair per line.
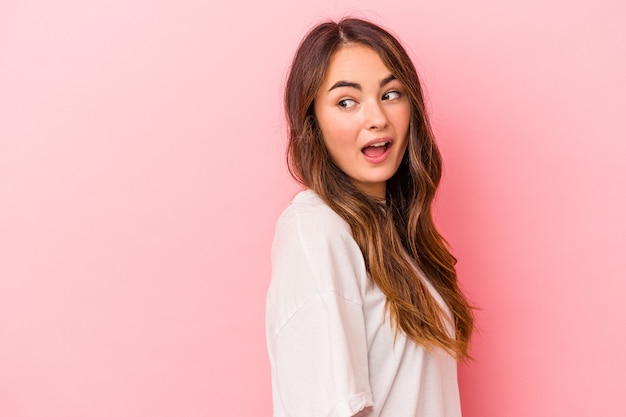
x,y
345,84
387,80
357,86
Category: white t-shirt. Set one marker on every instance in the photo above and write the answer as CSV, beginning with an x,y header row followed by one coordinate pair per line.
x,y
330,343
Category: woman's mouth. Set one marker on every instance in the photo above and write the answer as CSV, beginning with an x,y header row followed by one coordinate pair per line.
x,y
377,150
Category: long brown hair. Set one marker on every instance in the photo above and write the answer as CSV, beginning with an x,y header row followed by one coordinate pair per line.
x,y
406,226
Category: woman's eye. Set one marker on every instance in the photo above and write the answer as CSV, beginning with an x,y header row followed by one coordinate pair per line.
x,y
346,103
391,95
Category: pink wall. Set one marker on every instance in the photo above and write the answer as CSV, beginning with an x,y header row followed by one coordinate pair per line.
x,y
141,173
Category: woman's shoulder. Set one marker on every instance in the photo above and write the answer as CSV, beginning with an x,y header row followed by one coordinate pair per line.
x,y
311,231
313,253
310,214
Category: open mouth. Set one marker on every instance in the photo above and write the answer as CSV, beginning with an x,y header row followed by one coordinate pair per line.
x,y
377,149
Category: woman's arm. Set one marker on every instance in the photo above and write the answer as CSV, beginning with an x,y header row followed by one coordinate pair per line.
x,y
315,325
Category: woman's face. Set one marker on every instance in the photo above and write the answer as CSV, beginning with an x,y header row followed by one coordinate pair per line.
x,y
364,116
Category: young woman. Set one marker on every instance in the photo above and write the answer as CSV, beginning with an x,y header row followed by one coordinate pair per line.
x,y
364,314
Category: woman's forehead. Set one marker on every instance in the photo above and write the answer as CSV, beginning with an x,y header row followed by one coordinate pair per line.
x,y
355,62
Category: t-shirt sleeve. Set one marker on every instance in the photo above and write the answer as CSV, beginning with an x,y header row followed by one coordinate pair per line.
x,y
316,329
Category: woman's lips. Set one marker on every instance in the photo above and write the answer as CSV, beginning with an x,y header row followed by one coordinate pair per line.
x,y
377,150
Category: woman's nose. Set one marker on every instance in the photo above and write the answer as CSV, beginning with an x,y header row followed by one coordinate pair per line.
x,y
375,118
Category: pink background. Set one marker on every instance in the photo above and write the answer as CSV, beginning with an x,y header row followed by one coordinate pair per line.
x,y
141,173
